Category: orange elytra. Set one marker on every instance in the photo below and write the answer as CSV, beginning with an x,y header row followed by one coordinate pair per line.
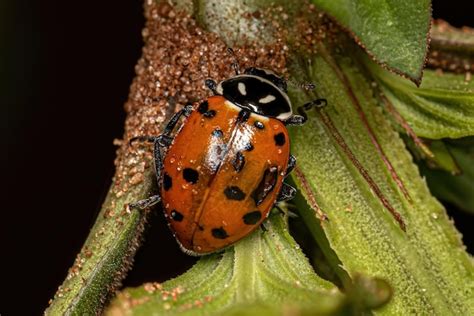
x,y
222,171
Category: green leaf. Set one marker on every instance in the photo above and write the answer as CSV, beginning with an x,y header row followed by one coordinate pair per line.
x,y
426,265
393,32
442,158
369,292
443,106
265,272
458,188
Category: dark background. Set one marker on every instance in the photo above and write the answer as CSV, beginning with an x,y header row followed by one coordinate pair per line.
x,y
63,64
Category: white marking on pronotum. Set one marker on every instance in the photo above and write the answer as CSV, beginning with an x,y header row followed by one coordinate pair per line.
x,y
269,98
219,89
281,117
242,88
254,115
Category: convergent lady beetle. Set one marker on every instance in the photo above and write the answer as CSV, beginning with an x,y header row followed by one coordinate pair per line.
x,y
223,170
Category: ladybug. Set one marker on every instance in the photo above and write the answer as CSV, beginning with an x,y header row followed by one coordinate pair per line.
x,y
222,171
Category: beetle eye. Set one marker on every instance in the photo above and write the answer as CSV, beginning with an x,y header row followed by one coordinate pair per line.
x,y
281,84
251,71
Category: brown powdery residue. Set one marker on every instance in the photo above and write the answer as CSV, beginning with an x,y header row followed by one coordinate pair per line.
x,y
451,62
152,287
127,302
314,27
78,263
302,33
177,58
450,51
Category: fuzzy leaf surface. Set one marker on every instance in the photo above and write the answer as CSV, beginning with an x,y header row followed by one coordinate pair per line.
x,y
265,272
457,188
443,106
105,255
394,32
427,265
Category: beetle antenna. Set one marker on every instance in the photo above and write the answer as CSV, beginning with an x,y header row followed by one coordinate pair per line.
x,y
235,63
307,86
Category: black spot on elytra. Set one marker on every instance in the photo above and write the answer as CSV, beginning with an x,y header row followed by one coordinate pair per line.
x,y
259,125
243,116
210,113
219,233
279,139
266,185
203,107
190,175
252,218
177,216
217,133
238,162
234,193
248,147
167,182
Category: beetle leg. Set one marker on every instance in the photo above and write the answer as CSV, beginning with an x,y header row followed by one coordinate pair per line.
x,y
287,212
287,193
235,63
158,143
163,140
318,103
212,85
282,212
145,203
174,120
303,117
291,165
158,159
141,139
295,120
